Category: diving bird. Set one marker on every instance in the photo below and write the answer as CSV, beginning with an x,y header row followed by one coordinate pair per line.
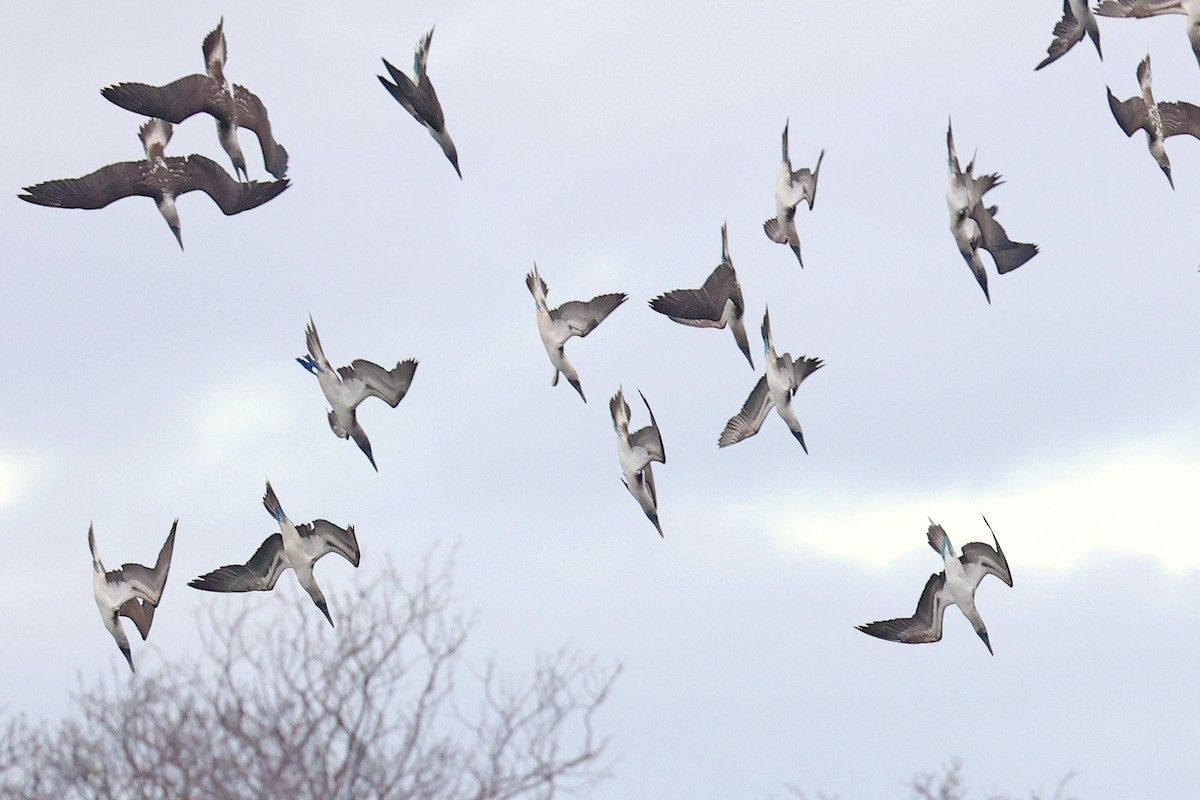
x,y
974,225
232,105
346,387
1077,19
714,305
773,390
790,189
1158,120
419,99
132,591
1153,8
295,546
573,318
955,585
161,178
635,451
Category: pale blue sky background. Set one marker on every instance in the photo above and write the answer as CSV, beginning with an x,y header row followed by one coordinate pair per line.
x,y
609,142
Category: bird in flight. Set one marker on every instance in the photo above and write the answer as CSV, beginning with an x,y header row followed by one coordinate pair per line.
x,y
159,177
132,591
573,318
974,225
790,189
295,547
232,105
954,585
635,451
1158,120
346,387
775,390
714,305
418,98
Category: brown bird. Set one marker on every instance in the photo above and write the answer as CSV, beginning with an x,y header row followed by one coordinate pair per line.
x,y
232,105
161,178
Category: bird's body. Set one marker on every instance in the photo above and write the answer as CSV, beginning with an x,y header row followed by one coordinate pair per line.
x,y
159,177
716,304
955,585
1158,120
790,189
133,591
232,106
346,387
1137,9
775,390
635,451
1077,20
418,98
573,318
295,547
974,224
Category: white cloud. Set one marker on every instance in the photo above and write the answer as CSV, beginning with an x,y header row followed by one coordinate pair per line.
x,y
238,419
1139,498
19,473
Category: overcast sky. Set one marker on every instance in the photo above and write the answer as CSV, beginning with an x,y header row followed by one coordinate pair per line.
x,y
608,142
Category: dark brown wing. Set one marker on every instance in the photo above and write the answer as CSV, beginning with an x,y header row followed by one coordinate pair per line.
x,y
1178,118
174,102
1130,114
252,115
923,626
230,195
256,575
141,613
701,307
96,190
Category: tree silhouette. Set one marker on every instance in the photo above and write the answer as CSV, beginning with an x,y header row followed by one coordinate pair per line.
x,y
281,707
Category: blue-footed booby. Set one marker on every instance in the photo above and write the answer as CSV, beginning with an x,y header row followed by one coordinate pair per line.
x,y
714,305
635,451
297,547
346,387
773,390
419,99
1153,8
573,318
1158,120
790,189
1077,19
232,105
955,585
974,225
132,591
161,178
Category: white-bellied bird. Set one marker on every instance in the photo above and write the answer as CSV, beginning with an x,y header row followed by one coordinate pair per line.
x,y
132,591
954,585
346,387
573,318
297,547
635,451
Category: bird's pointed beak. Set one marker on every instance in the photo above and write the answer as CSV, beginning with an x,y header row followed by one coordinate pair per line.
x,y
1170,180
179,235
657,527
984,635
578,388
800,438
128,657
325,610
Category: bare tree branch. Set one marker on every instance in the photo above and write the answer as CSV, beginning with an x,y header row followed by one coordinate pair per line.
x,y
281,707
